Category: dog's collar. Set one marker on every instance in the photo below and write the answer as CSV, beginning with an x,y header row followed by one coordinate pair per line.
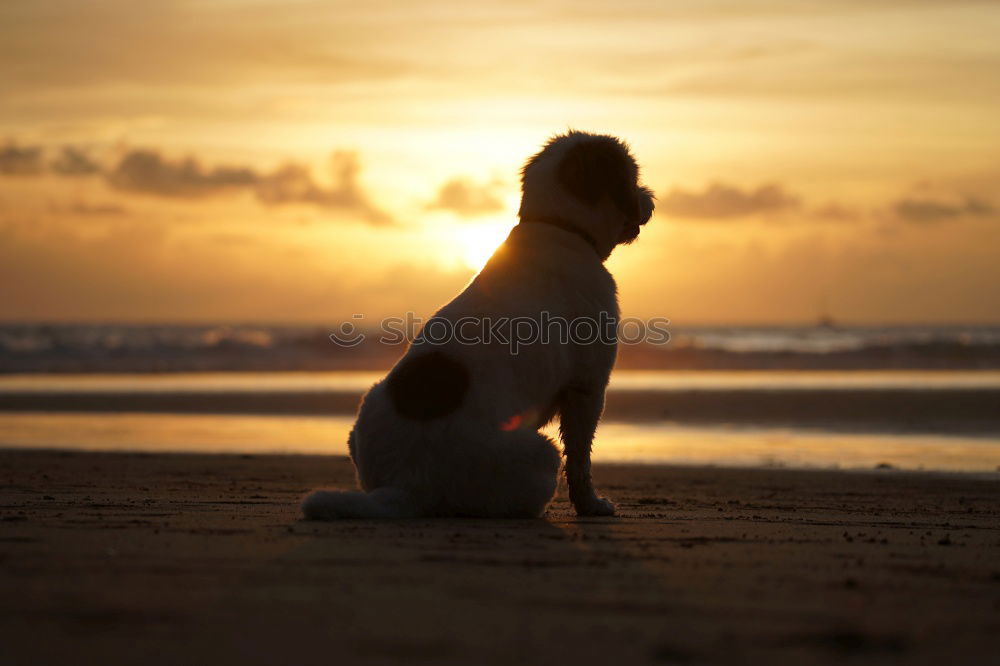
x,y
565,225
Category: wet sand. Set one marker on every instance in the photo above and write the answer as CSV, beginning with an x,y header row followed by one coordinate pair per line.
x,y
166,559
940,410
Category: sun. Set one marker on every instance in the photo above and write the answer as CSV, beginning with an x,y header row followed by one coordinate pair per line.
x,y
477,242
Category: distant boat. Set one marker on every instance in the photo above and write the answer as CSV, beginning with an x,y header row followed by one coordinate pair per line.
x,y
826,321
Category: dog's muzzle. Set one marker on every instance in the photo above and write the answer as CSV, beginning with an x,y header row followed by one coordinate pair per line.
x,y
646,205
629,233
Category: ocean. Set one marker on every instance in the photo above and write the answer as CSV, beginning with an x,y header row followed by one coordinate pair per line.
x,y
245,347
891,398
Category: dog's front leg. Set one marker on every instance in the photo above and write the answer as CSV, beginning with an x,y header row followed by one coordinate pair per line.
x,y
579,412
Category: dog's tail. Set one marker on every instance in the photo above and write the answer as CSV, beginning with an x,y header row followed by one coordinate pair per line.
x,y
379,503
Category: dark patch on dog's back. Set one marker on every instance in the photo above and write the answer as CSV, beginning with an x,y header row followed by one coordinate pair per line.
x,y
428,386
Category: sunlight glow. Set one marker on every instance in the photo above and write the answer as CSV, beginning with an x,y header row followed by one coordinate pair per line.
x,y
478,241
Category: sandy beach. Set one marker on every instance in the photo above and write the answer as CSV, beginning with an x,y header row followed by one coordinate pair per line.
x,y
137,558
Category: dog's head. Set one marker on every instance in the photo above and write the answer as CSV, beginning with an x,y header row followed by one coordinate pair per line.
x,y
589,183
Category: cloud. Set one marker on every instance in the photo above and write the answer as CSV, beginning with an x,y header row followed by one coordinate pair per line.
x,y
467,199
924,210
293,184
721,201
96,209
20,160
835,212
73,161
28,161
147,172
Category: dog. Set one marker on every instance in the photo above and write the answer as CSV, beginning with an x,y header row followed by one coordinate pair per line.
x,y
453,429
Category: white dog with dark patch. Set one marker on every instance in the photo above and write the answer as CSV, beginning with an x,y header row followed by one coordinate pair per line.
x,y
453,429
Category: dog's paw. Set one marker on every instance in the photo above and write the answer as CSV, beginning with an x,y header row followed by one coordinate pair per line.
x,y
596,506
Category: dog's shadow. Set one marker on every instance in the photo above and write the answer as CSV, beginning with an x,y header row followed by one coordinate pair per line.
x,y
449,588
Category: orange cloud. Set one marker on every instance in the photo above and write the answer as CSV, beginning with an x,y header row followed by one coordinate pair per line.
x,y
74,161
721,201
294,184
467,199
147,172
18,160
926,210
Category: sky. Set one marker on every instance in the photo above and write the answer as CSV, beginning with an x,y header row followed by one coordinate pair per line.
x,y
305,161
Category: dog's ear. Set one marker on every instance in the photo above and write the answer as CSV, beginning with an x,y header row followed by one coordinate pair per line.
x,y
599,168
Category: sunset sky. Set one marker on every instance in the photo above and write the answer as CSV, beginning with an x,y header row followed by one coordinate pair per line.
x,y
301,161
